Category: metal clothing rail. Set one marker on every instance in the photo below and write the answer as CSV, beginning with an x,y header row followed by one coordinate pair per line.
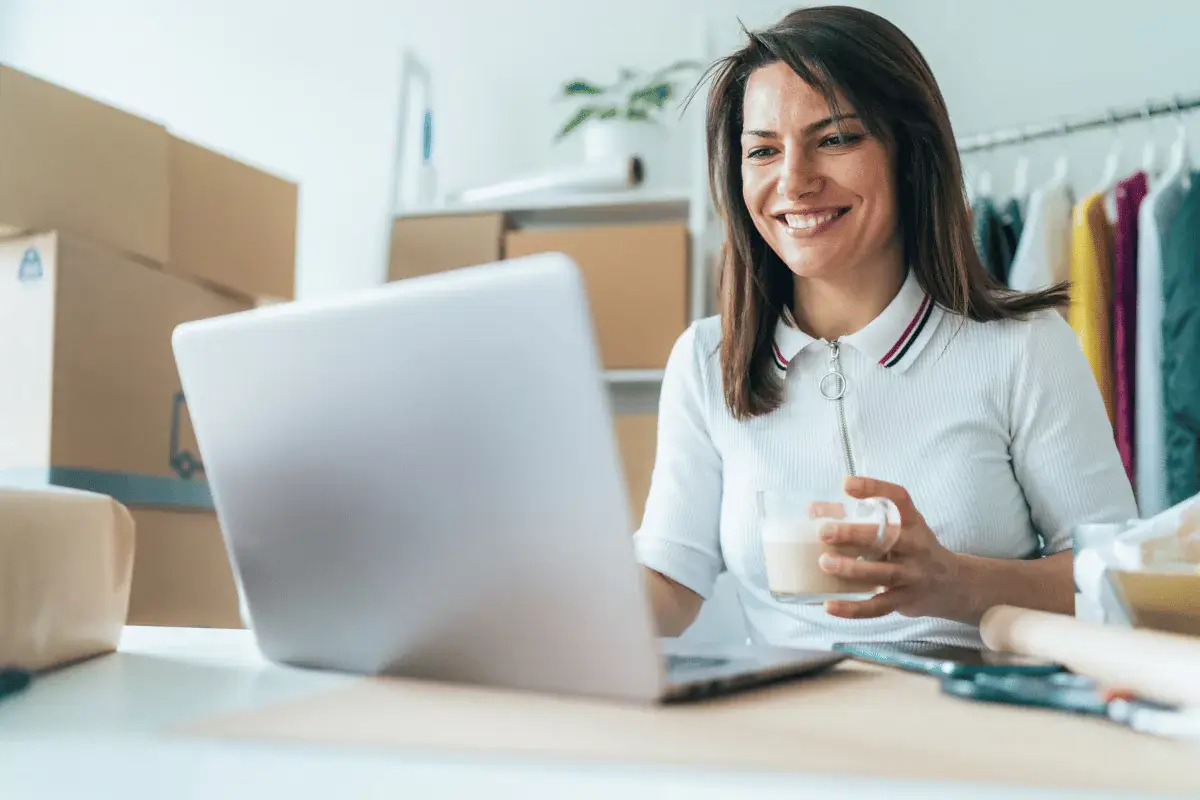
x,y
1067,125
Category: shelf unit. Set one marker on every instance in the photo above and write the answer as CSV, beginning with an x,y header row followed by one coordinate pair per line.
x,y
615,208
690,204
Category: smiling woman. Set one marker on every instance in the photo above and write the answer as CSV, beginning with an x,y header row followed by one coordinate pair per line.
x,y
862,350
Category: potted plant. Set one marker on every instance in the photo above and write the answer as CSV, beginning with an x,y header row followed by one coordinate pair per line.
x,y
611,118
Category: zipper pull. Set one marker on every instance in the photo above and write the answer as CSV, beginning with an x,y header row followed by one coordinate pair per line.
x,y
833,382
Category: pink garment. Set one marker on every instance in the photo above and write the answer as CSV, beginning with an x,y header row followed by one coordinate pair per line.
x,y
1130,193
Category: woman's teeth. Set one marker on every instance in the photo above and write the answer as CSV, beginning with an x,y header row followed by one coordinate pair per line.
x,y
805,221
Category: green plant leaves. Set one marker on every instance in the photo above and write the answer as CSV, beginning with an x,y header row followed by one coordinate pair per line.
x,y
581,116
640,105
578,87
655,95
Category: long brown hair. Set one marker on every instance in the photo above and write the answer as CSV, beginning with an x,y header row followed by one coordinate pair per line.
x,y
884,77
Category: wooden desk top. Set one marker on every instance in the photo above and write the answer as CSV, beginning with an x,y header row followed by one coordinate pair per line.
x,y
854,720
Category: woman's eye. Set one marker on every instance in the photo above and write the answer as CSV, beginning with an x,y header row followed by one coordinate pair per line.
x,y
760,152
841,139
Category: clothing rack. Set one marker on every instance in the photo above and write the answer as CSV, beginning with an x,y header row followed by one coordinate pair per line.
x,y
1066,126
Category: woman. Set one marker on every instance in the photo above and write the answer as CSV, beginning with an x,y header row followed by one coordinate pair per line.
x,y
970,407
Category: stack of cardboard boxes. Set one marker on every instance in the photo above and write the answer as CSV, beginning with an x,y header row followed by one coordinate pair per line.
x,y
115,231
636,275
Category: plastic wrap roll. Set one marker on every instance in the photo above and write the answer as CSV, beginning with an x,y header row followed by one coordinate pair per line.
x,y
605,175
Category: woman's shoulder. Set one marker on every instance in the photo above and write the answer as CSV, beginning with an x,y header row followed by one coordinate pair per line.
x,y
706,333
699,344
695,356
1042,336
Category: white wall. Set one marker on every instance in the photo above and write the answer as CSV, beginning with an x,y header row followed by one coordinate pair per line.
x,y
308,89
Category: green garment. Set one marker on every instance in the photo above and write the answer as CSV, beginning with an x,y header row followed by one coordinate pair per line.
x,y
1181,346
996,232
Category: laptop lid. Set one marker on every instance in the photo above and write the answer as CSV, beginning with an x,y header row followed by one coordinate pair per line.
x,y
422,479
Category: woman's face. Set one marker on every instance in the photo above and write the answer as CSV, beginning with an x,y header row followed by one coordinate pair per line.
x,y
821,197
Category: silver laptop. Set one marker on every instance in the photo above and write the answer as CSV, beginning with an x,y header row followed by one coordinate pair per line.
x,y
422,480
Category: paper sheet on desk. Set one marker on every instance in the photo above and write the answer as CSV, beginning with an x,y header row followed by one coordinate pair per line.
x,y
1146,576
855,719
66,562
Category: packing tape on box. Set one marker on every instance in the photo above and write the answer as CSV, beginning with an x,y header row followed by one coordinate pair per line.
x,y
153,491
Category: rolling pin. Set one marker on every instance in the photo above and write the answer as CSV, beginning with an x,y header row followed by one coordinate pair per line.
x,y
1155,665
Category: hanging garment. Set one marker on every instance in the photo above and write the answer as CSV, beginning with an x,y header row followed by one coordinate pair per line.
x,y
1009,217
1090,312
1129,196
1155,216
990,241
1043,256
1181,346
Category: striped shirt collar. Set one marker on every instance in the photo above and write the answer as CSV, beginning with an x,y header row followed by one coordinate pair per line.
x,y
893,339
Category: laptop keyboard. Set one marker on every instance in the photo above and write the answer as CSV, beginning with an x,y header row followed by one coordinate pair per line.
x,y
677,663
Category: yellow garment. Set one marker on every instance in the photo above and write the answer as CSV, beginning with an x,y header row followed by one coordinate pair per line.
x,y
1090,312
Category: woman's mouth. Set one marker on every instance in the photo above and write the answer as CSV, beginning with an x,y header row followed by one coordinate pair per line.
x,y
811,223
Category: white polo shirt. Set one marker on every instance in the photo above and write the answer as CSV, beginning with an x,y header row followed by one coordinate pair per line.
x,y
997,430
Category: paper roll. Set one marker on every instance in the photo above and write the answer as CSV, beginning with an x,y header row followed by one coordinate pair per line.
x,y
606,175
1157,666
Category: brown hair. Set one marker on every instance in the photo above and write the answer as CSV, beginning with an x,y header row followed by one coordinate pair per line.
x,y
882,75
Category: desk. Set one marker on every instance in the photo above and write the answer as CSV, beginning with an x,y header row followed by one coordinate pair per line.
x,y
108,728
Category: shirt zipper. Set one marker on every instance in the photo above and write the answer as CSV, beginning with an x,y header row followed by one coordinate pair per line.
x,y
833,387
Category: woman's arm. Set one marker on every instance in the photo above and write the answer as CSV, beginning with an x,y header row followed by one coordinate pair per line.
x,y
679,539
1064,453
1043,584
922,578
1065,459
675,606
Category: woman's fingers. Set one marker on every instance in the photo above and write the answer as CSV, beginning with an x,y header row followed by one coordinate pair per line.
x,y
866,488
880,605
872,573
827,509
861,535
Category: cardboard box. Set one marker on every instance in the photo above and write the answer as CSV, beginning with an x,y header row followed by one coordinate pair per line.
x,y
637,437
71,163
426,244
181,572
636,278
231,225
67,558
90,395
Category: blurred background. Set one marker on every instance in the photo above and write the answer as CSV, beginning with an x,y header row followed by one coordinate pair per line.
x,y
309,90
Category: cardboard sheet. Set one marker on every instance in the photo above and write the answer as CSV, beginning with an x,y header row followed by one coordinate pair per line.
x,y
852,720
232,225
66,559
636,278
637,437
69,162
182,576
428,244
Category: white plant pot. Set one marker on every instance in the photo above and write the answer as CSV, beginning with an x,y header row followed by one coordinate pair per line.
x,y
607,140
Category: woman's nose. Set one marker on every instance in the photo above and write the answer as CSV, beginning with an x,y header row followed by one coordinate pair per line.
x,y
798,178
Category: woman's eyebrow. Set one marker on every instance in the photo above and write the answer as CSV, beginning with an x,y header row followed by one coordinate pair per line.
x,y
810,128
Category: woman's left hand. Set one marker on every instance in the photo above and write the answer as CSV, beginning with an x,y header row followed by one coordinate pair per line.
x,y
919,576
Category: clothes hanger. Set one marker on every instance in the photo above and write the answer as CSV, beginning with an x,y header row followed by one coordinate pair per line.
x,y
984,187
1150,149
1178,164
1020,184
1112,164
1062,164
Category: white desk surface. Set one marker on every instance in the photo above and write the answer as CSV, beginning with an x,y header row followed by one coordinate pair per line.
x,y
98,730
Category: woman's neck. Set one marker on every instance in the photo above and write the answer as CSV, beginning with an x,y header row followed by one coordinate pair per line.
x,y
828,310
